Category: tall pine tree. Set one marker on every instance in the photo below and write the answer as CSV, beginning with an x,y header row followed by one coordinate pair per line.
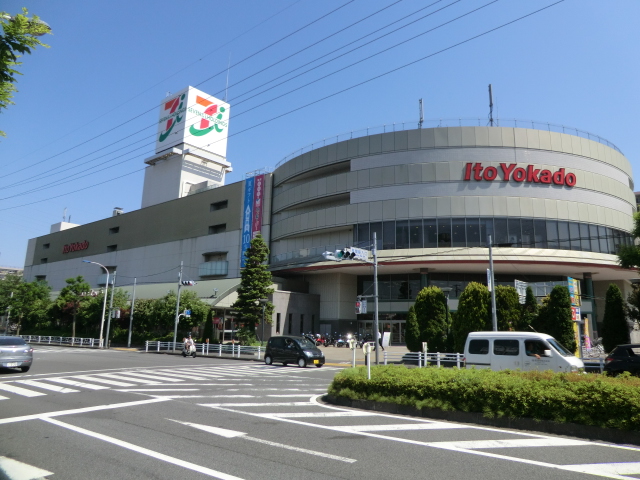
x,y
433,320
255,283
472,315
412,334
614,324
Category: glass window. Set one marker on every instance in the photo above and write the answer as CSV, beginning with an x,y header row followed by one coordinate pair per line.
x,y
444,232
506,347
610,245
415,234
501,232
540,229
486,229
384,288
473,232
402,234
574,236
399,288
585,241
388,235
430,233
377,228
528,236
363,234
617,240
563,236
479,347
515,232
552,234
602,239
458,233
414,286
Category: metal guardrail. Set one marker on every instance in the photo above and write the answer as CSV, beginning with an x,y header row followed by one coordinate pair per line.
x,y
71,341
423,359
449,122
207,349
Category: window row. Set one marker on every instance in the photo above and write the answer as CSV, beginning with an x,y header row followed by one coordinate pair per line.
x,y
463,232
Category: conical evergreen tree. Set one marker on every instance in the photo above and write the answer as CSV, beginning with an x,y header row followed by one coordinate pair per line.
x,y
207,332
431,313
472,315
614,324
528,311
255,283
559,323
412,335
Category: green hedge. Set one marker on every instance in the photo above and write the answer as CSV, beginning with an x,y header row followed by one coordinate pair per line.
x,y
561,397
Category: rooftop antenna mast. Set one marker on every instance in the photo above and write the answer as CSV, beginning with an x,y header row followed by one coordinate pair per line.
x,y
421,113
64,215
226,88
490,106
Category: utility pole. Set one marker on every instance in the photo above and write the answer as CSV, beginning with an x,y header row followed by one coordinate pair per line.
x,y
375,298
133,303
113,287
494,314
175,328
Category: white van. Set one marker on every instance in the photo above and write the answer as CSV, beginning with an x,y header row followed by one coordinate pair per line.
x,y
518,350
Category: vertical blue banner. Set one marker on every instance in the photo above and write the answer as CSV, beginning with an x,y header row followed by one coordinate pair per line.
x,y
247,215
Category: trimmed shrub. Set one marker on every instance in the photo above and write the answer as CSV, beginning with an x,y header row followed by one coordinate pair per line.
x,y
412,334
614,324
472,314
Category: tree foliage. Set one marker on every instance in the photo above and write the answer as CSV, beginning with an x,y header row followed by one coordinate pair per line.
x,y
472,315
433,320
207,332
614,324
629,255
554,317
508,311
72,297
255,283
27,303
412,333
528,311
19,36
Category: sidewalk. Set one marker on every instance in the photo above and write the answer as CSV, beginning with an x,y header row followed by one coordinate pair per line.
x,y
342,356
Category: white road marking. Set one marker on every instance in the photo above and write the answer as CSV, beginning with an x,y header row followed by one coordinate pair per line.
x,y
145,451
157,389
317,414
3,398
41,416
15,470
73,383
115,383
154,377
606,468
232,434
403,426
278,404
125,376
291,395
514,443
19,390
46,386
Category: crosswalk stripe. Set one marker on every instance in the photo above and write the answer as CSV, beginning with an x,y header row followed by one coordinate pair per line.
x,y
74,383
516,443
3,398
401,426
127,377
181,375
115,383
46,386
250,404
152,377
606,468
317,414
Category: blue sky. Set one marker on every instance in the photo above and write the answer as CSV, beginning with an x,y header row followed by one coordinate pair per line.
x,y
86,110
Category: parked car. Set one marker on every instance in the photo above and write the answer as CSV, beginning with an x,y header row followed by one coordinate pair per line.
x,y
15,353
298,350
518,350
623,358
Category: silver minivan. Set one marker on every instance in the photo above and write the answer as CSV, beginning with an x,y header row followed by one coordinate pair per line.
x,y
518,350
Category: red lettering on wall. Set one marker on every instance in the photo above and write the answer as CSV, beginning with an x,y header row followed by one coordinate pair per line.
x,y
506,170
511,171
74,247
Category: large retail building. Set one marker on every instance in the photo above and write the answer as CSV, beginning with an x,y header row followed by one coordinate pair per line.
x,y
556,205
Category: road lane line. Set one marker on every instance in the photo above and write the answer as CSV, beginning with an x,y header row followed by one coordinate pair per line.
x,y
402,426
317,414
145,451
606,468
233,434
277,404
513,443
157,378
40,416
156,390
128,378
19,390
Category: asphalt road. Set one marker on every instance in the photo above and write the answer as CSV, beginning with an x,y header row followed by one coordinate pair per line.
x,y
87,414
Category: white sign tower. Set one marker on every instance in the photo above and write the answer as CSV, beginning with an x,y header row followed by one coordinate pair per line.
x,y
191,147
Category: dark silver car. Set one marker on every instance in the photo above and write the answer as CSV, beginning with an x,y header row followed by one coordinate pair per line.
x,y
15,353
298,350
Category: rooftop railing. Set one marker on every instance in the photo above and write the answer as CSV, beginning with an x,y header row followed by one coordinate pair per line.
x,y
448,122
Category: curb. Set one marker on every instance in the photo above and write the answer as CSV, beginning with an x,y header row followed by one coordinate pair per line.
x,y
587,432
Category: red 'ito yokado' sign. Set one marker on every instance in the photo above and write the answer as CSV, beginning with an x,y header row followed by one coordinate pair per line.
x,y
74,247
511,171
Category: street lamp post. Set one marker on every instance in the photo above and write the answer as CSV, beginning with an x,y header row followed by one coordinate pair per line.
x,y
264,302
104,303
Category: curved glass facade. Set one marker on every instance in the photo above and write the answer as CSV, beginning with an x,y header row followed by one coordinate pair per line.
x,y
466,232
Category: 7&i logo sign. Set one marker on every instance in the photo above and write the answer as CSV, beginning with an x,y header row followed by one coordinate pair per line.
x,y
210,119
175,107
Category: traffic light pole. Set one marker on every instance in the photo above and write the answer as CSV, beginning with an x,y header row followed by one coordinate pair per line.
x,y
374,250
175,327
